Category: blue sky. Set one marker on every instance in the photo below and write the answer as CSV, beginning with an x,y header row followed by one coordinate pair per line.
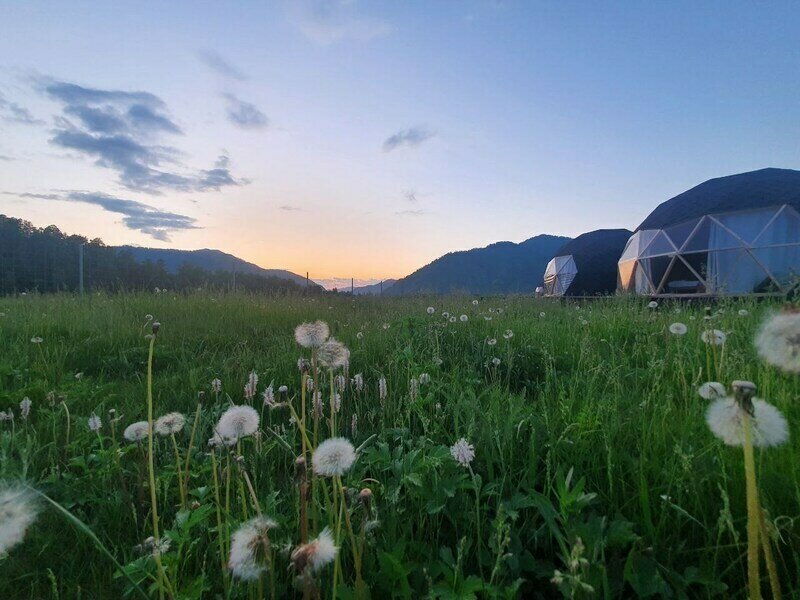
x,y
367,138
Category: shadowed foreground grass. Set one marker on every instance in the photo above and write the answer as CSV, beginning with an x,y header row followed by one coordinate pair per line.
x,y
594,475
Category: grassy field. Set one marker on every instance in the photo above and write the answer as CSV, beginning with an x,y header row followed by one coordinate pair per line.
x,y
595,474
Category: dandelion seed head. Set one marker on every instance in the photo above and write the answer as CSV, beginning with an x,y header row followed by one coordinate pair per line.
x,y
725,416
743,312
496,361
491,341
333,457
778,341
18,511
170,423
424,378
711,390
713,337
463,452
312,335
136,432
94,423
316,554
36,340
238,422
283,389
508,334
652,304
216,385
464,318
678,329
249,556
333,354
431,310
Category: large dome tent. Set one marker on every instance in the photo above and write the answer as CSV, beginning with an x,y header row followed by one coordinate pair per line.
x,y
731,235
587,265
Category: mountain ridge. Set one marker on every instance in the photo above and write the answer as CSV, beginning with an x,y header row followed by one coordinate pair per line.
x,y
209,259
499,268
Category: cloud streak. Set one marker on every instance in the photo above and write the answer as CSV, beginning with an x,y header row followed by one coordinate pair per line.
x,y
411,137
11,112
120,130
326,22
214,61
244,114
136,215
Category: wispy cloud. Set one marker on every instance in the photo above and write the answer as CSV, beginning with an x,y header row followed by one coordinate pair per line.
x,y
289,208
120,130
413,136
6,158
329,21
214,61
244,114
11,112
136,215
411,213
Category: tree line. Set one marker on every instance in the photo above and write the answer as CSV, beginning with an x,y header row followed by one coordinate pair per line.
x,y
46,260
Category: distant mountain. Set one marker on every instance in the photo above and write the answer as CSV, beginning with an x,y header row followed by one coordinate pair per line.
x,y
501,268
374,289
209,260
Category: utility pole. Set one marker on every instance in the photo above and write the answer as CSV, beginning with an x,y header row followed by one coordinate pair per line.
x,y
80,269
352,288
306,279
381,287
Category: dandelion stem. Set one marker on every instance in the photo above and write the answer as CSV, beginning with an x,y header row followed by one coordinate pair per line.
x,y
191,447
180,472
752,509
162,575
220,529
774,581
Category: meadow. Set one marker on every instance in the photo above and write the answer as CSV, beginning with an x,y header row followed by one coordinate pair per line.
x,y
594,472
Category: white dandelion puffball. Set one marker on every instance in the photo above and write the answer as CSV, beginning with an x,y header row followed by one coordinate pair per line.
x,y
424,378
474,303
386,325
452,319
36,340
725,416
446,315
238,422
778,341
431,310
136,432
743,312
283,389
713,337
678,329
541,315
216,385
508,334
94,423
332,457
333,354
496,361
464,318
170,423
652,304
312,335
316,554
249,555
360,335
711,390
463,452
491,341
18,511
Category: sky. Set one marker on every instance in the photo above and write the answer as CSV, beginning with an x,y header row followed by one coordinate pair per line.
x,y
361,139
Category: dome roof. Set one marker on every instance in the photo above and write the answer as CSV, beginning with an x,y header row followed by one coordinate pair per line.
x,y
595,256
755,189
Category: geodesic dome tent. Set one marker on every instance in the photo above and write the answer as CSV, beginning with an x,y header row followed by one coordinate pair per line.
x,y
728,236
587,265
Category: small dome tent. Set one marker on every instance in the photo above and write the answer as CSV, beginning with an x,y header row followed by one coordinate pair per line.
x,y
732,235
587,265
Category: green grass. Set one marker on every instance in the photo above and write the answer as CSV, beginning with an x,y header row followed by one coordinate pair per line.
x,y
589,429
